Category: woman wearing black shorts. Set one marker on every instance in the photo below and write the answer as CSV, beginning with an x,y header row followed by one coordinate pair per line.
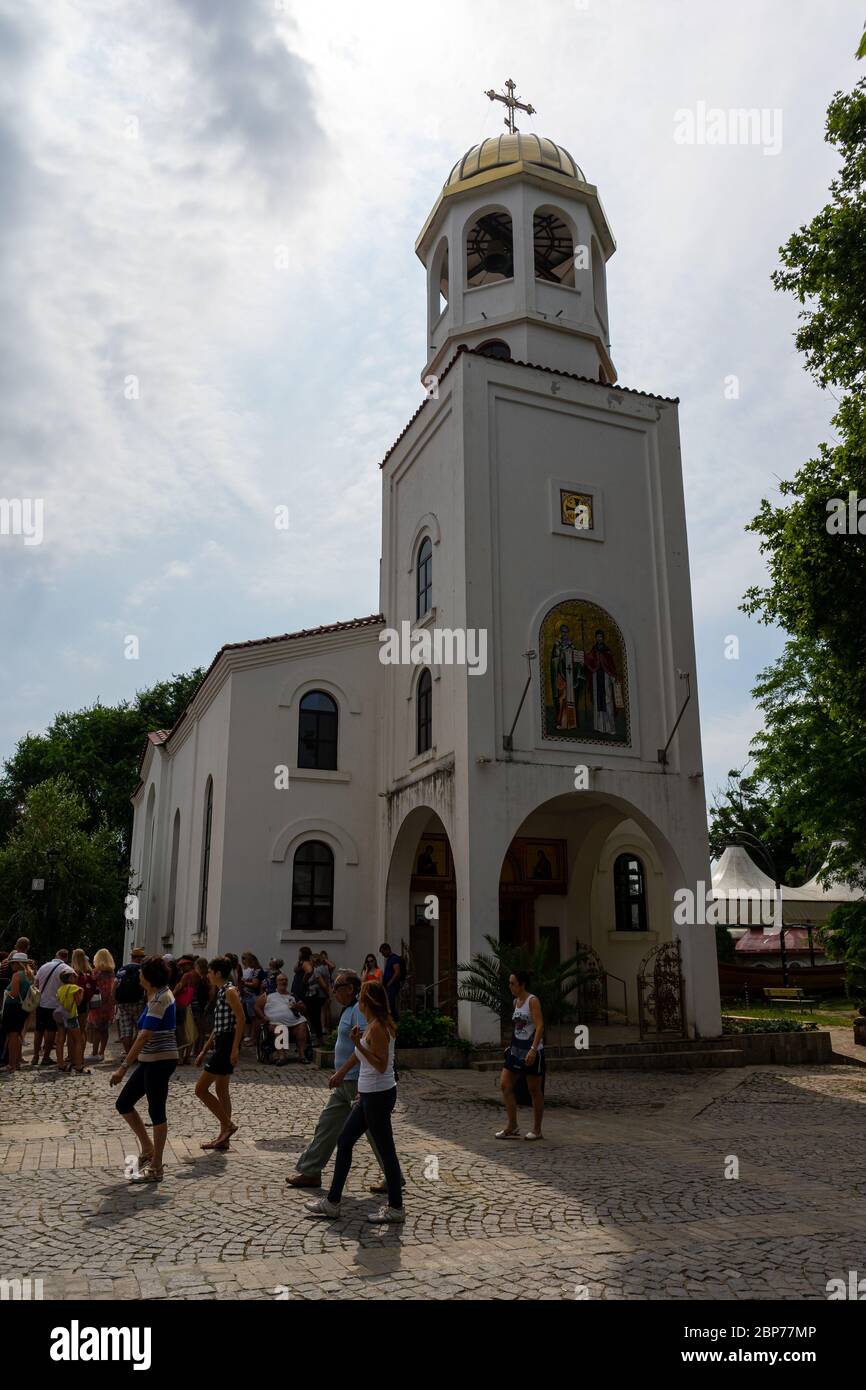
x,y
225,1042
150,1063
14,1015
524,1057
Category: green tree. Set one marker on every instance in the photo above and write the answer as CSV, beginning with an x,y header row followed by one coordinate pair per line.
x,y
82,902
811,756
767,812
97,749
843,937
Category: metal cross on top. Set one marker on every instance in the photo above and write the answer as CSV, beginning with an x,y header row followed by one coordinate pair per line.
x,y
512,103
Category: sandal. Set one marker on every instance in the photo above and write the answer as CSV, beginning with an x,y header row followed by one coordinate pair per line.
x,y
148,1174
533,1134
81,1071
221,1144
507,1134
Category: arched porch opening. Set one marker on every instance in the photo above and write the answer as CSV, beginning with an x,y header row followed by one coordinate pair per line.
x,y
589,872
420,911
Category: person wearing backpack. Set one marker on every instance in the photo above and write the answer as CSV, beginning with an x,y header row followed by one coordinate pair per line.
x,y
129,996
14,1013
46,982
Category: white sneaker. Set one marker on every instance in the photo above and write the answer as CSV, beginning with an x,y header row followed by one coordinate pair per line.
x,y
323,1209
387,1215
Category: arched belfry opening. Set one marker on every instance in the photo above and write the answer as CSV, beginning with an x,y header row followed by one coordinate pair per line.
x,y
553,246
490,249
439,288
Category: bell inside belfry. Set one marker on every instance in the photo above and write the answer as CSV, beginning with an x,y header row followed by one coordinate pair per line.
x,y
490,250
499,260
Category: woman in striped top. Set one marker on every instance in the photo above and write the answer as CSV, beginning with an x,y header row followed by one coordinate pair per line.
x,y
229,1023
152,1058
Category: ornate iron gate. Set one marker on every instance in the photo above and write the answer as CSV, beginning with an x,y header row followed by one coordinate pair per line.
x,y
661,997
592,989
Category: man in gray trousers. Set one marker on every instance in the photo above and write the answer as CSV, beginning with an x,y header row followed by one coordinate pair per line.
x,y
347,987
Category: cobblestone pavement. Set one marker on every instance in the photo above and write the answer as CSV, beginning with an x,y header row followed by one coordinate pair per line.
x,y
625,1198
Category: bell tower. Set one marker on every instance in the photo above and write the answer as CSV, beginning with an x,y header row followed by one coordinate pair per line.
x,y
515,250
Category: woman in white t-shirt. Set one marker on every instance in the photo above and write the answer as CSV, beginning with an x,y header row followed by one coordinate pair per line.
x,y
377,1096
523,1057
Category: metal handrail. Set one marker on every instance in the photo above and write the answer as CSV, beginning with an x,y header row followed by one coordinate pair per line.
x,y
426,988
624,991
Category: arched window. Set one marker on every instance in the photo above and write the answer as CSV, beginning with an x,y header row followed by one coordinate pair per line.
x,y
424,713
424,578
489,250
205,857
496,347
629,884
554,247
313,887
317,731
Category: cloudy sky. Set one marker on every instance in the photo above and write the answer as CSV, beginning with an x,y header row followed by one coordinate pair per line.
x,y
210,304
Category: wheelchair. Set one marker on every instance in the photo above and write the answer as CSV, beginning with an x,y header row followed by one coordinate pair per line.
x,y
266,1043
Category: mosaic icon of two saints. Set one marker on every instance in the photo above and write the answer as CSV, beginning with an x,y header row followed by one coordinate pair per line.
x,y
583,663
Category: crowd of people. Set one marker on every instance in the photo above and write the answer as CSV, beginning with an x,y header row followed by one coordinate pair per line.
x,y
170,1012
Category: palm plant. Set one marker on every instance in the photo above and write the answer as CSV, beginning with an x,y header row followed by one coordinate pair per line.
x,y
485,980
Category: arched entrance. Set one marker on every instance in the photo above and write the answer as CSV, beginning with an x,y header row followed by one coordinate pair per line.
x,y
529,870
587,873
420,911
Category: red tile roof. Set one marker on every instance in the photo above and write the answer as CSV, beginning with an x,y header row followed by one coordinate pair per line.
x,y
756,942
157,737
533,366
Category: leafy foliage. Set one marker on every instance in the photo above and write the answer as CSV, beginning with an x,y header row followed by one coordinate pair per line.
x,y
765,1025
810,761
843,937
427,1028
85,883
772,816
97,750
485,980
68,790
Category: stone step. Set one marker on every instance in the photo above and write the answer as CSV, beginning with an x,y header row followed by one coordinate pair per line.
x,y
648,1047
639,1061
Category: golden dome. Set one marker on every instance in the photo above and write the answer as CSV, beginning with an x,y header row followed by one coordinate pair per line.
x,y
501,150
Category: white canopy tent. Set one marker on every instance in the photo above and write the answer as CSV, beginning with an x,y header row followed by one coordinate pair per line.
x,y
750,894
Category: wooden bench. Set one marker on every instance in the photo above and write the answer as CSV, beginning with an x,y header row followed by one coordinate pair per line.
x,y
788,998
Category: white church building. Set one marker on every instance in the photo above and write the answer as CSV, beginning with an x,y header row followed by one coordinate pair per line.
x,y
482,756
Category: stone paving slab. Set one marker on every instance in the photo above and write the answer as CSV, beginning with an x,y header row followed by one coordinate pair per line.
x,y
626,1198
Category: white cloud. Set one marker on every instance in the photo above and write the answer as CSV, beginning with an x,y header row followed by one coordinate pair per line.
x,y
148,251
